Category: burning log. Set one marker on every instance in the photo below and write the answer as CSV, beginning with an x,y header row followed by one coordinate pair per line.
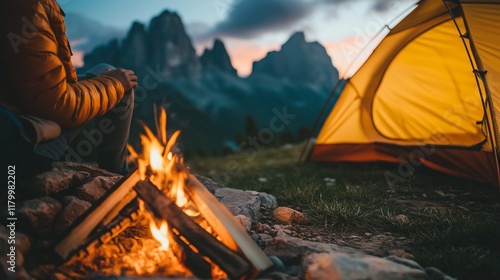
x,y
75,235
189,258
164,208
171,194
104,234
226,226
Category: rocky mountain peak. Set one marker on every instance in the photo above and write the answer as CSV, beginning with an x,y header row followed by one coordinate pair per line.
x,y
164,46
170,47
299,61
134,54
217,58
297,38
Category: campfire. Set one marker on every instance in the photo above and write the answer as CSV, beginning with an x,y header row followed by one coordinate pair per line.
x,y
184,218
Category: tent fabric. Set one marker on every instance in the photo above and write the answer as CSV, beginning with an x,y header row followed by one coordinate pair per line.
x,y
422,86
471,164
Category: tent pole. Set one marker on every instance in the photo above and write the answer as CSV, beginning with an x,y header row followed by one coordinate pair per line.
x,y
481,73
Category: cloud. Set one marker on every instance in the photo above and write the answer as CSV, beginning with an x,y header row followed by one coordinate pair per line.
x,y
383,5
252,18
377,5
249,18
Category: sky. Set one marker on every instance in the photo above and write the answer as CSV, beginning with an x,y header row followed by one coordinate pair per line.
x,y
251,28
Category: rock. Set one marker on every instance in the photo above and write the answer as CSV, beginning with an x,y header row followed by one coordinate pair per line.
x,y
217,58
51,182
72,209
210,184
330,261
263,227
90,192
22,246
268,201
276,275
330,182
401,218
436,274
262,239
288,215
37,215
282,230
92,170
291,249
240,202
336,265
64,176
96,188
400,254
108,182
278,264
244,221
406,262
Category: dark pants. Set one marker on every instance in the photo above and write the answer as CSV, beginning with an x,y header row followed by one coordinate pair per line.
x,y
109,137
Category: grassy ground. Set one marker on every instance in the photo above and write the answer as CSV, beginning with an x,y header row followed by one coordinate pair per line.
x,y
451,223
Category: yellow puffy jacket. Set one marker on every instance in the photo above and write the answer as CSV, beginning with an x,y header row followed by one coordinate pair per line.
x,y
38,77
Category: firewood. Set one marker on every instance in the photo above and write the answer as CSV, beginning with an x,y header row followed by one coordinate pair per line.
x,y
75,235
189,258
226,226
163,208
129,215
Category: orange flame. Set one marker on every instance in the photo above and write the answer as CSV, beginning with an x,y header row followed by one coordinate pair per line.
x,y
160,234
157,163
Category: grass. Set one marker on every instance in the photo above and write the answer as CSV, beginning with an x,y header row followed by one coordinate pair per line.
x,y
454,224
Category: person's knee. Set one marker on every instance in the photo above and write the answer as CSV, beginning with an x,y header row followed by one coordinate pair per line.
x,y
100,68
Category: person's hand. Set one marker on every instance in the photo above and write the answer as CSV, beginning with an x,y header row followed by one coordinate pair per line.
x,y
126,77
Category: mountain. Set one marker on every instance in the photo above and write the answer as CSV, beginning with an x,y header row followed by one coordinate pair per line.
x,y
217,58
170,46
207,100
134,48
164,46
299,61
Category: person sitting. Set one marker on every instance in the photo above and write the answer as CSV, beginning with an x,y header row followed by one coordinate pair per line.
x,y
43,105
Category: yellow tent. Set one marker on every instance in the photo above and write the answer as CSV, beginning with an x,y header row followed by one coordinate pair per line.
x,y
428,94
